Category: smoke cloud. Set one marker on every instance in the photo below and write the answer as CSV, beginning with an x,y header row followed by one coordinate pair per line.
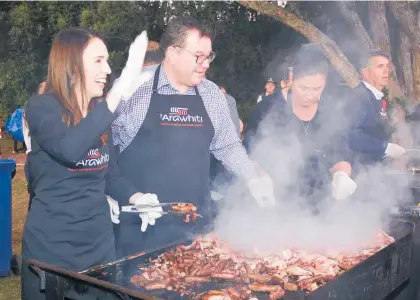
x,y
295,222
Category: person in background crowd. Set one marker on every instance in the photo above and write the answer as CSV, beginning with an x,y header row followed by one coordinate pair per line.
x,y
166,132
261,110
16,127
72,165
233,110
269,90
286,82
26,134
369,127
302,130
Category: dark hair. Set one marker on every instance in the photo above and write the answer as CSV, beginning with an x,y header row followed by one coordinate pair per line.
x,y
177,29
365,58
66,72
309,60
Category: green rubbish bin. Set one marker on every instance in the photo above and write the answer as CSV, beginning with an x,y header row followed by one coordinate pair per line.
x,y
7,167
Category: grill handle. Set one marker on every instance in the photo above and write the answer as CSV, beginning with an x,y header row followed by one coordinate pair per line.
x,y
42,277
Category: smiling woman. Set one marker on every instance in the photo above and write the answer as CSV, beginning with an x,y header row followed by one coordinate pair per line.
x,y
72,167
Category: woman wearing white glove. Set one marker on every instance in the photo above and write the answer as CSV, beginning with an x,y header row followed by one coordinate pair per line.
x,y
298,141
72,164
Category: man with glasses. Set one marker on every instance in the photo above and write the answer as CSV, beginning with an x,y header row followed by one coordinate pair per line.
x,y
165,133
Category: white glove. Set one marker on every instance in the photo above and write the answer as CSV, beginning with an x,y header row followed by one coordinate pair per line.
x,y
132,76
342,186
261,189
114,209
394,151
147,215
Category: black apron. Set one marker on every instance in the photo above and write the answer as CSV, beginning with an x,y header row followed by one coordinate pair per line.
x,y
169,157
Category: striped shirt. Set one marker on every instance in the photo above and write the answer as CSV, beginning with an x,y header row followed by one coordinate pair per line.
x,y
225,145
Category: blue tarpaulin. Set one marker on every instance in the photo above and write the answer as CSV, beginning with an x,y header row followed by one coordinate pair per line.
x,y
14,125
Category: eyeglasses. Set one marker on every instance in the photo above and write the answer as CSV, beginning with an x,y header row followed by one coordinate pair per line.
x,y
200,59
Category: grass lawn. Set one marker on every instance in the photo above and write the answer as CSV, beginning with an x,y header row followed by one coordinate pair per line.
x,y
10,287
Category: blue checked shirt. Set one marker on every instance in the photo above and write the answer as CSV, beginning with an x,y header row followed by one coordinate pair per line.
x,y
225,145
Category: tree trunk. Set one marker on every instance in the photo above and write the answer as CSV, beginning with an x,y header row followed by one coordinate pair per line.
x,y
381,40
336,57
416,75
353,19
379,26
404,61
408,20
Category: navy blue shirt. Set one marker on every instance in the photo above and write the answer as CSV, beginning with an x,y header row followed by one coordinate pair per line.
x,y
70,171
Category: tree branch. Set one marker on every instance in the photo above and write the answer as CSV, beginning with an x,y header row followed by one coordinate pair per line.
x,y
336,57
356,24
408,20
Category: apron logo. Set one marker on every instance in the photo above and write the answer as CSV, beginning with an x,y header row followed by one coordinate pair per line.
x,y
95,161
179,116
179,111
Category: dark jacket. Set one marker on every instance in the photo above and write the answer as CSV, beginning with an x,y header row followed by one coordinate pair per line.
x,y
296,154
70,171
368,132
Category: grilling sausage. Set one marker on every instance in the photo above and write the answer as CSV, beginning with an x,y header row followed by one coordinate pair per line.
x,y
256,287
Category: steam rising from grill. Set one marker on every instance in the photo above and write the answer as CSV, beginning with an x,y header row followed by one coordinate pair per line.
x,y
326,224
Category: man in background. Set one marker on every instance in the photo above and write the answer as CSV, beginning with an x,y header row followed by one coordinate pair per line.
x,y
369,128
269,87
233,110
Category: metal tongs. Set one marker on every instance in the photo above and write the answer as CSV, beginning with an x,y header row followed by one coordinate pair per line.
x,y
146,208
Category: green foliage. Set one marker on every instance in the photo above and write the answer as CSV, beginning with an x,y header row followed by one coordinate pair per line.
x,y
245,42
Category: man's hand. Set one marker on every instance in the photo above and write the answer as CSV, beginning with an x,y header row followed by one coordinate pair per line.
x,y
261,189
132,76
147,215
342,186
394,151
114,209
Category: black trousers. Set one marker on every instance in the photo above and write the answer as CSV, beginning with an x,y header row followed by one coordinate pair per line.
x,y
58,288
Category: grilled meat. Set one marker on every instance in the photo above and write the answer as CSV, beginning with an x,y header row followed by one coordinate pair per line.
x,y
210,259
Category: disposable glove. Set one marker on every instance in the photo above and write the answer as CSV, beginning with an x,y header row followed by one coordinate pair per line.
x,y
342,186
261,189
394,151
132,76
147,215
114,210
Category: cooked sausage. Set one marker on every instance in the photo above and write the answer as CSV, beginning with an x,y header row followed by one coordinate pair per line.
x,y
233,293
290,286
220,266
155,286
258,268
256,287
191,279
206,270
223,275
260,278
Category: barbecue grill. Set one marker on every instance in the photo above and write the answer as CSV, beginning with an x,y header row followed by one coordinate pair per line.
x,y
374,278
